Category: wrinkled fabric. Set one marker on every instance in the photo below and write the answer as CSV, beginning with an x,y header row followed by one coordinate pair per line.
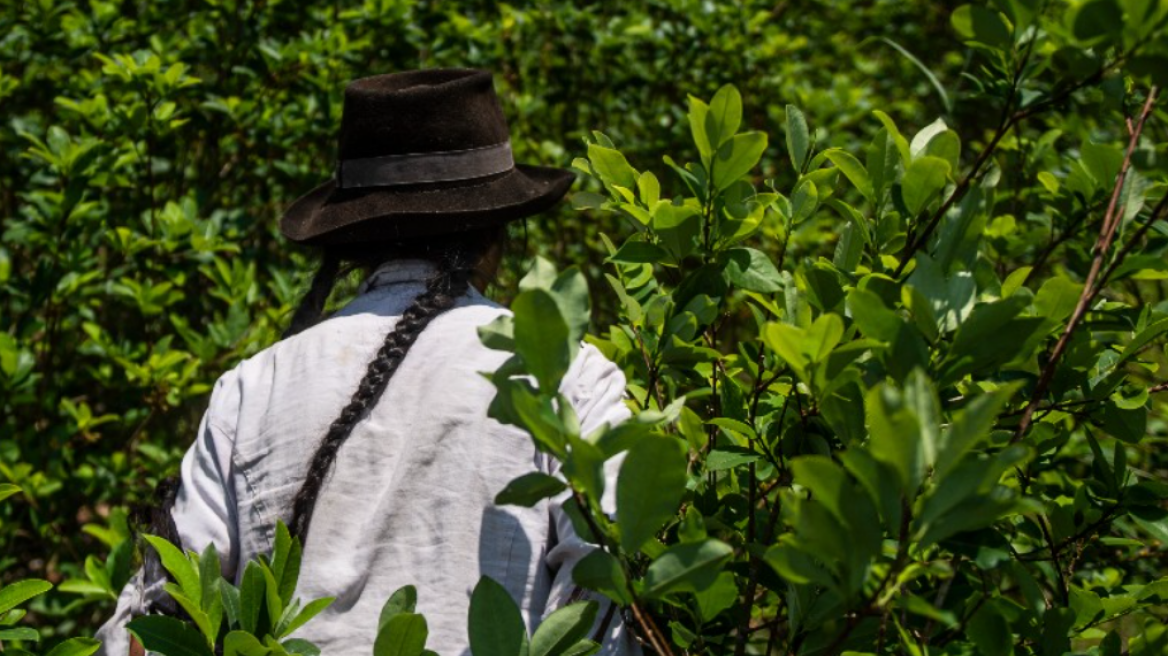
x,y
410,496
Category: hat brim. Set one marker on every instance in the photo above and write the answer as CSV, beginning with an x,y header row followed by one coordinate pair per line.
x,y
328,215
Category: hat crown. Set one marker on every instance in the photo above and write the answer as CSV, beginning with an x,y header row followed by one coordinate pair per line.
x,y
426,111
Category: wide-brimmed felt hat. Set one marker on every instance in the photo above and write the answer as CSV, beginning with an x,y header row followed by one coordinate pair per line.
x,y
421,153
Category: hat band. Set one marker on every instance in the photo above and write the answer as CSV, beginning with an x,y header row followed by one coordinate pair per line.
x,y
418,168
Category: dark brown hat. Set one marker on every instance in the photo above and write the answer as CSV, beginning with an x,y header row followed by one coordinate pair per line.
x,y
421,153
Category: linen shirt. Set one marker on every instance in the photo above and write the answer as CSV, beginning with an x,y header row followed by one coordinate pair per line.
x,y
410,496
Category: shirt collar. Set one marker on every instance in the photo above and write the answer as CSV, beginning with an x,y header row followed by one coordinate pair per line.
x,y
398,271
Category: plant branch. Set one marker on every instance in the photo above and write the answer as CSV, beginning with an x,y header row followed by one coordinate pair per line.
x,y
1157,214
1008,122
648,626
1091,288
1064,591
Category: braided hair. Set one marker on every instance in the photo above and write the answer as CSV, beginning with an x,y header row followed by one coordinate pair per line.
x,y
456,258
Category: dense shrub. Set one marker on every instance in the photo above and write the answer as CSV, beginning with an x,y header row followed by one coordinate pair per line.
x,y
898,375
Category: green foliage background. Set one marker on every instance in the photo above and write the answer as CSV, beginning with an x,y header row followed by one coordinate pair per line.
x,y
149,147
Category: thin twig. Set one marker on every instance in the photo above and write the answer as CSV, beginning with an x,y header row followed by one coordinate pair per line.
x,y
1157,214
1064,591
648,626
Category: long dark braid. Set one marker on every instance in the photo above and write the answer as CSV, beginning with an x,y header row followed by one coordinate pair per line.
x,y
456,262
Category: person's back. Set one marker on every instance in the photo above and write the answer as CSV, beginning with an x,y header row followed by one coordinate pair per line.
x,y
368,432
410,498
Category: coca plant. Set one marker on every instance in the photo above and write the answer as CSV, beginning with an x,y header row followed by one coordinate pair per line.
x,y
900,399
258,617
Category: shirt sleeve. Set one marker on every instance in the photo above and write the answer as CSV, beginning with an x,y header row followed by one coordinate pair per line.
x,y
596,389
205,510
204,513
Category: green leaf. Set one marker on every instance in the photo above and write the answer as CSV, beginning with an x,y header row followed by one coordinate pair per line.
x,y
724,117
883,161
612,166
852,168
19,633
827,482
13,595
587,200
301,647
920,141
639,252
901,143
1057,298
582,648
541,275
750,269
737,157
168,636
252,591
718,597
495,626
688,567
918,606
798,138
1151,66
179,566
118,565
529,489
210,573
499,334
945,145
924,178
541,338
274,603
403,635
403,600
314,608
75,647
1096,19
229,600
601,572
698,110
977,23
570,291
561,630
8,489
280,550
198,616
873,476
1102,161
649,189
649,488
977,345
896,435
241,643
990,631
729,458
970,427
286,562
800,347
849,250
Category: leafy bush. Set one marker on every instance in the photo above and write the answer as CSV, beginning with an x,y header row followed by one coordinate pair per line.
x,y
936,437
257,618
16,594
250,619
147,148
895,392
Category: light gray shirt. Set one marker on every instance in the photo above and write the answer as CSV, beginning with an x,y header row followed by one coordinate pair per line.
x,y
410,497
